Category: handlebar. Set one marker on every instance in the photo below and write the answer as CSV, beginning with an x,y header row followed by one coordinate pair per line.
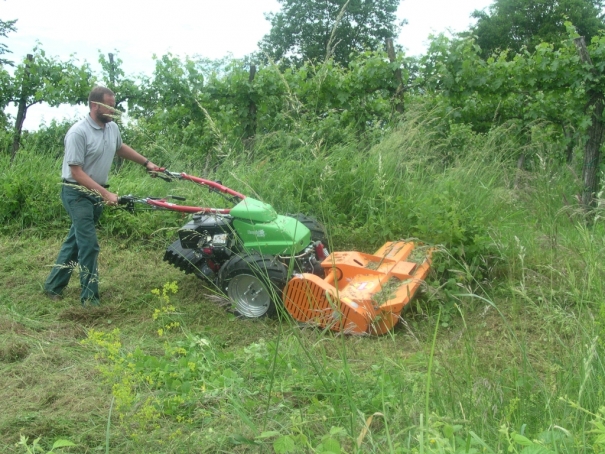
x,y
213,186
129,200
161,203
164,174
126,199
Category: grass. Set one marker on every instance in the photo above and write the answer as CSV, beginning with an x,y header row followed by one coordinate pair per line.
x,y
500,352
505,363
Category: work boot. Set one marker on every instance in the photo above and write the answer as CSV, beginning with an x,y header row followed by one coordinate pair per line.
x,y
53,296
91,302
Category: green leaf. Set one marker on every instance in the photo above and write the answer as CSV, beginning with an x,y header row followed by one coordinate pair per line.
x,y
523,441
337,431
536,449
269,434
284,444
239,439
329,445
61,444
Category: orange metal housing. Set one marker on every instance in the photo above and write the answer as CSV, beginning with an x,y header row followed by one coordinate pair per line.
x,y
361,293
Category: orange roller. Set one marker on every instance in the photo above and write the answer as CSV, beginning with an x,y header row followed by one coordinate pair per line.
x,y
361,293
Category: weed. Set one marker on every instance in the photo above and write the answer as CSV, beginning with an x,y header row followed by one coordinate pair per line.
x,y
36,448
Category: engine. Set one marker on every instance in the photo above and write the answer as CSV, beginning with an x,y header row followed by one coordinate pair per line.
x,y
202,228
204,244
209,240
309,261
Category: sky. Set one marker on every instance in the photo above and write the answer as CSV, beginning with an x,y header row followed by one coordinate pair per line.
x,y
136,30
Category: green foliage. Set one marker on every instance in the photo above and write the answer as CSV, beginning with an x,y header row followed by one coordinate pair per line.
x,y
48,139
318,30
114,78
47,79
31,192
517,24
200,111
6,136
550,441
32,188
39,78
36,448
545,85
5,28
518,338
195,381
297,388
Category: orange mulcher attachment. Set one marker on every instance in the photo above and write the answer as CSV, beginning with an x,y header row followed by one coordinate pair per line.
x,y
361,293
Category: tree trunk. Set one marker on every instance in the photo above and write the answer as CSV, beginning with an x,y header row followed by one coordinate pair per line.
x,y
592,155
570,144
592,150
398,94
22,110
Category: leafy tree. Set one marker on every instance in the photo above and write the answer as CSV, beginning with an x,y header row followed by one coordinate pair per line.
x,y
40,78
5,28
512,24
563,85
114,78
317,29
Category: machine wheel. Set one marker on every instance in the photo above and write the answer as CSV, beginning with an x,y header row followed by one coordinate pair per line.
x,y
318,231
184,259
253,283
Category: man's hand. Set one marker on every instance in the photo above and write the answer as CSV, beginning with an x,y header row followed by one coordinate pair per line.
x,y
110,198
151,167
83,179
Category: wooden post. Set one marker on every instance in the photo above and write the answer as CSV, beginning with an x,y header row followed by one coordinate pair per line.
x,y
569,136
398,95
112,72
251,123
22,110
112,86
592,149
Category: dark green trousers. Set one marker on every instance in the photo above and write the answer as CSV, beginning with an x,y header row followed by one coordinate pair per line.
x,y
81,247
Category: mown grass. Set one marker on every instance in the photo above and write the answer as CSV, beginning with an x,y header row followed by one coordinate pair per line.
x,y
502,347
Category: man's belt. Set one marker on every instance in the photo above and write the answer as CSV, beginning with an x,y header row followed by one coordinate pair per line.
x,y
78,184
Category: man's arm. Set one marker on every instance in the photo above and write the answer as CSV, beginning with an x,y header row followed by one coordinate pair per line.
x,y
128,153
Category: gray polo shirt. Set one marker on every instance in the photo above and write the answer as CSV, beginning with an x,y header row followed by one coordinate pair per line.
x,y
91,147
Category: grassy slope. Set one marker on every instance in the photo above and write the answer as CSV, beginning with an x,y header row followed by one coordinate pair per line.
x,y
488,369
516,335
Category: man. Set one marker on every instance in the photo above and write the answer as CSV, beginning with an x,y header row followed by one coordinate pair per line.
x,y
90,146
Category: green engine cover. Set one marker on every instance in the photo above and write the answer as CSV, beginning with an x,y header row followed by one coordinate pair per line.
x,y
262,229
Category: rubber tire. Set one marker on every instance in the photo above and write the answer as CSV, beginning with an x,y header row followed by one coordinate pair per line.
x,y
263,275
318,231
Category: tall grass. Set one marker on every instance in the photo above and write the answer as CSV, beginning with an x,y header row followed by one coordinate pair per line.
x,y
502,351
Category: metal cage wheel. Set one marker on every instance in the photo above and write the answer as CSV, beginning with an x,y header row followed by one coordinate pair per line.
x,y
253,283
